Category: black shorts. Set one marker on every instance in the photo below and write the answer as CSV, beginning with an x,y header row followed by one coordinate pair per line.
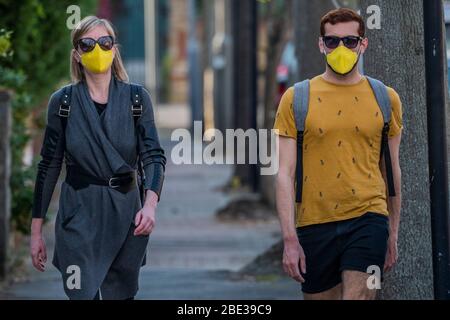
x,y
331,248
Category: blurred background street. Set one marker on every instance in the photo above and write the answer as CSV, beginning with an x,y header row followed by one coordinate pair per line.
x,y
226,63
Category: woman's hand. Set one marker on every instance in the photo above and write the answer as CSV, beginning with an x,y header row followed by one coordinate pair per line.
x,y
145,221
38,251
37,245
145,218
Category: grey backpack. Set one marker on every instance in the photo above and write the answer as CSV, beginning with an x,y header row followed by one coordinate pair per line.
x,y
301,104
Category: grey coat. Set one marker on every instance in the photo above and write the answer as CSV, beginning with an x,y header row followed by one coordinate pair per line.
x,y
95,225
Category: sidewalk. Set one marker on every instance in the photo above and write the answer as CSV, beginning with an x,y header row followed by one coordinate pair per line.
x,y
191,255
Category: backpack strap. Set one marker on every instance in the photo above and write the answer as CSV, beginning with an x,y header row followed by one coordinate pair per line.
x,y
137,110
64,106
382,96
301,104
384,102
136,101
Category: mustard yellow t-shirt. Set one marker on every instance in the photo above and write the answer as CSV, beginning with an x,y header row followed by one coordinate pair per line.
x,y
341,150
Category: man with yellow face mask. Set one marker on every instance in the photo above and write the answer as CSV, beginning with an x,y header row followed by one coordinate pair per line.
x,y
339,199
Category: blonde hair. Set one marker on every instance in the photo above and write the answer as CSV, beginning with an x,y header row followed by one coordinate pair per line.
x,y
84,26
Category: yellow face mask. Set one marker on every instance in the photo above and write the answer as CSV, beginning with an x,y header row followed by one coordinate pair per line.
x,y
97,60
342,60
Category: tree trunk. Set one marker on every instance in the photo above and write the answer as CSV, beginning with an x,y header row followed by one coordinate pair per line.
x,y
307,15
396,56
279,32
244,84
5,197
222,63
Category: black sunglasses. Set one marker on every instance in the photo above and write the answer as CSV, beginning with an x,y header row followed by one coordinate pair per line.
x,y
88,44
332,42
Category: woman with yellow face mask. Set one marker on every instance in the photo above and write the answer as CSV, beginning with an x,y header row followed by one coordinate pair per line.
x,y
103,127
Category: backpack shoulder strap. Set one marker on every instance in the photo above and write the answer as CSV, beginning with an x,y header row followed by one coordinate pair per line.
x,y
301,104
382,96
136,101
384,102
65,105
137,110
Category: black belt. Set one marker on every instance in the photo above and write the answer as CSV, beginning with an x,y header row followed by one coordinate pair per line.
x,y
79,179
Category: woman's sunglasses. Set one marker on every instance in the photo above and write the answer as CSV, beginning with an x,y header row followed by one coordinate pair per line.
x,y
332,42
88,44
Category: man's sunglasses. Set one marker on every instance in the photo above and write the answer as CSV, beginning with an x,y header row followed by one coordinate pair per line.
x,y
88,44
332,42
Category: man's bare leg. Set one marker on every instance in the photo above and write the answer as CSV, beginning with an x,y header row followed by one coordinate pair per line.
x,y
354,286
332,294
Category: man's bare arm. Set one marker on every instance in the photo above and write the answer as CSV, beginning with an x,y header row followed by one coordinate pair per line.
x,y
285,187
394,203
293,255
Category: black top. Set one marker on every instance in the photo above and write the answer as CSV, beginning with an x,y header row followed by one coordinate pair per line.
x,y
100,107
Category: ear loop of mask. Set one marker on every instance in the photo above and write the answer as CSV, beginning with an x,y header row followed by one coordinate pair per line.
x,y
79,55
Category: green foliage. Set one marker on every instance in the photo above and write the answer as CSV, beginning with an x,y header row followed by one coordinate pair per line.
x,y
5,43
41,41
8,77
34,59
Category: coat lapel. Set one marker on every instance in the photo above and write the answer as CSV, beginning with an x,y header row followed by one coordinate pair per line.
x,y
95,125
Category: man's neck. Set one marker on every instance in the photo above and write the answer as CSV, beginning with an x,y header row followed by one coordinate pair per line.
x,y
353,77
98,85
